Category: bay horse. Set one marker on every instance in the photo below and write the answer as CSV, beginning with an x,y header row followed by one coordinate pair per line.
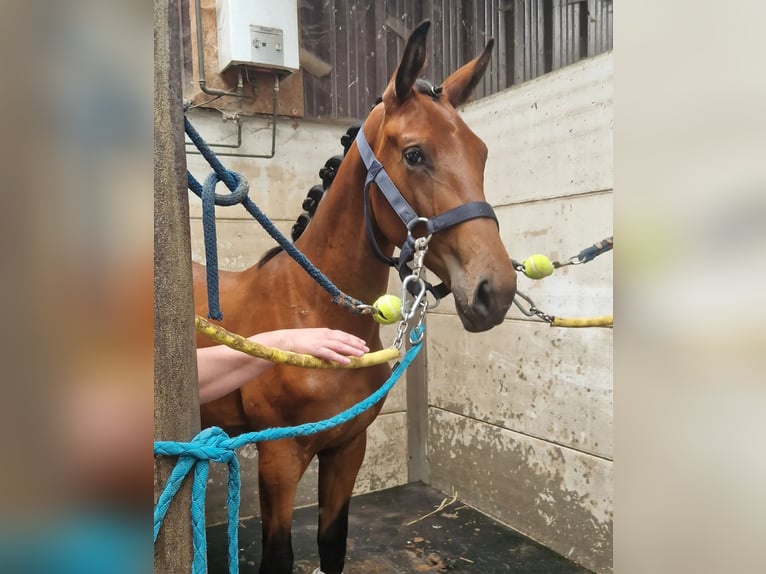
x,y
437,164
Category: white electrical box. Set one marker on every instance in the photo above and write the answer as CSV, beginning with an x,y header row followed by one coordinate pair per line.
x,y
258,33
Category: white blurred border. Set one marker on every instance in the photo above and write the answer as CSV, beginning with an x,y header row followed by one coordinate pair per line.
x,y
690,227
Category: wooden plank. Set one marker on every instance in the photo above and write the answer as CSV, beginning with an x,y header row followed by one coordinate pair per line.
x,y
397,27
494,16
469,35
334,61
437,59
564,29
556,17
609,9
477,32
323,42
452,46
370,88
572,30
446,34
392,40
527,40
601,39
592,27
341,34
560,497
540,34
501,44
518,42
176,397
355,53
538,64
577,51
541,39
381,58
567,35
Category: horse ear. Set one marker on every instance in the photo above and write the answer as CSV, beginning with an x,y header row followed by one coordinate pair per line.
x,y
412,64
460,84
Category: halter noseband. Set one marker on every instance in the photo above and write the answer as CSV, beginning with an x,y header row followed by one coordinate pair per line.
x,y
376,173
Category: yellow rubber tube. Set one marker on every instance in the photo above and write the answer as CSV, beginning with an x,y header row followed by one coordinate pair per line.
x,y
606,321
224,337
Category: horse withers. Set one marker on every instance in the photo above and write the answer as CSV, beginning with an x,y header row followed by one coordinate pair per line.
x,y
436,164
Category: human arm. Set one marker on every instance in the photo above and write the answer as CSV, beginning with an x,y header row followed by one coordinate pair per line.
x,y
221,369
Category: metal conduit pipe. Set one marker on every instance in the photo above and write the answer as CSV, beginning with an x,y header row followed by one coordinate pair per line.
x,y
275,108
235,117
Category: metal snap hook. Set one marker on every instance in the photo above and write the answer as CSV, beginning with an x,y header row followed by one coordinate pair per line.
x,y
409,307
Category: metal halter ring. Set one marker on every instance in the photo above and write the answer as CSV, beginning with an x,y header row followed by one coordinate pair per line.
x,y
413,222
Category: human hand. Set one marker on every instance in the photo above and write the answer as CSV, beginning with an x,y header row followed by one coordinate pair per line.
x,y
329,344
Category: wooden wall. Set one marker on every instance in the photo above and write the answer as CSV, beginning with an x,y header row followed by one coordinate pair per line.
x,y
520,418
363,41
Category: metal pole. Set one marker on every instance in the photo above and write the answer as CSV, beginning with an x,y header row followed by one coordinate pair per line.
x,y
417,417
176,399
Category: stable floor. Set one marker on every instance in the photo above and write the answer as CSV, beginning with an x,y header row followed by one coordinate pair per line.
x,y
392,532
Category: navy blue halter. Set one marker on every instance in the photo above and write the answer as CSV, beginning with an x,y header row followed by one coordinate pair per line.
x,y
376,173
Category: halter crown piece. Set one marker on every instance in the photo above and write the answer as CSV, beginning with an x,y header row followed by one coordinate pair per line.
x,y
377,174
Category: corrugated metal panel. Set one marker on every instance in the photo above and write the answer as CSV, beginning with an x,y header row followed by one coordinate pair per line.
x,y
363,41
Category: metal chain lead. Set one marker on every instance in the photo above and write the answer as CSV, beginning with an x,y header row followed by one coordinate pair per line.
x,y
532,311
412,302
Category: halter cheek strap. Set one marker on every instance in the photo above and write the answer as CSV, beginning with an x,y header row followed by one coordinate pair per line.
x,y
376,173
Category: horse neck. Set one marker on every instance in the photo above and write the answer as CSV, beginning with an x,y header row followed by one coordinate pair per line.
x,y
336,240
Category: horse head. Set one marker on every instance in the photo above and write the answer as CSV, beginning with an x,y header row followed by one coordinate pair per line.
x,y
436,166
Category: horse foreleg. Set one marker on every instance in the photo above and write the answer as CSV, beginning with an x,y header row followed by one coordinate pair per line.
x,y
337,473
280,466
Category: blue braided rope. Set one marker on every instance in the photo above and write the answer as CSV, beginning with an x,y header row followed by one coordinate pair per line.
x,y
590,253
214,444
224,174
211,252
234,182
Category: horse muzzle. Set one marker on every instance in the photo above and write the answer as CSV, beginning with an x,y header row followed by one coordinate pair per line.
x,y
487,305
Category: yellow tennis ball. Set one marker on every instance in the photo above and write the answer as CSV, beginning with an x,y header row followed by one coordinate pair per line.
x,y
537,266
389,309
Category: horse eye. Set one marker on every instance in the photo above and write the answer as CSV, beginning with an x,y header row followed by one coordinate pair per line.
x,y
413,156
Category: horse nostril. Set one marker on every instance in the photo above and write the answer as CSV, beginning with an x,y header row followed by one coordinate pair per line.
x,y
482,299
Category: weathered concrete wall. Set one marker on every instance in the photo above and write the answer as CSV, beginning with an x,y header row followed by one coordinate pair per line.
x,y
520,418
278,186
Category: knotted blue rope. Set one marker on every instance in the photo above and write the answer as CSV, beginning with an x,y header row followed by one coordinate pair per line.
x,y
237,184
214,444
590,253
